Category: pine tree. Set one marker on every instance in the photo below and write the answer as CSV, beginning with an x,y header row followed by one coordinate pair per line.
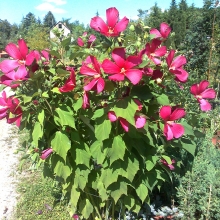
x,y
49,20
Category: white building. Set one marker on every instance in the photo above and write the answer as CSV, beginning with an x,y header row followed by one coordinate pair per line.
x,y
59,26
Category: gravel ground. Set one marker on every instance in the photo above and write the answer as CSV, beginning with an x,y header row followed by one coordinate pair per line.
x,y
8,170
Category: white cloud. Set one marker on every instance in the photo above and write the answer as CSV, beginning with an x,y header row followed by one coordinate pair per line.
x,y
57,2
49,7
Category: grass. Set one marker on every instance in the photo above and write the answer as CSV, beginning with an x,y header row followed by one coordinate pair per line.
x,y
39,199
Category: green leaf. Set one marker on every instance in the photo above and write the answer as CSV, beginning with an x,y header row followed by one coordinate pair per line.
x,y
66,42
187,128
45,95
62,170
108,177
151,162
56,90
37,133
103,129
126,109
78,104
163,100
75,194
98,113
133,167
129,202
62,72
142,192
41,117
168,160
61,144
87,122
26,98
117,189
97,153
118,149
65,117
188,145
102,191
82,157
85,208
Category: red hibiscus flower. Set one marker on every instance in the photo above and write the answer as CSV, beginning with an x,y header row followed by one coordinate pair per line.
x,y
169,115
70,82
81,40
176,66
86,103
154,51
20,56
124,123
94,80
113,27
46,153
10,109
170,166
201,93
165,30
122,67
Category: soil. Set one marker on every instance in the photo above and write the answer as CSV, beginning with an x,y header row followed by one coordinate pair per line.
x,y
8,169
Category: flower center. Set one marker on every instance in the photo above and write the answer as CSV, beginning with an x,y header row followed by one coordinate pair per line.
x,y
198,96
170,122
123,70
97,76
21,62
110,30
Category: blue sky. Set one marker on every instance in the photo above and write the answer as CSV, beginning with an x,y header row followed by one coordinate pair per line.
x,y
82,10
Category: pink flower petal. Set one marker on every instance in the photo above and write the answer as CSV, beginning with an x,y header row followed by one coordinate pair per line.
x,y
46,153
117,77
204,105
134,75
165,112
23,48
112,116
118,55
124,123
85,70
100,85
8,65
95,64
177,114
161,51
122,24
170,57
90,85
178,62
13,51
208,94
112,15
194,89
86,103
202,86
165,29
132,61
140,121
168,132
177,130
80,42
99,25
156,33
110,67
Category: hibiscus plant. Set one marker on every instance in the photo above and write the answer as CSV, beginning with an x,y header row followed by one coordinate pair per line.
x,y
100,115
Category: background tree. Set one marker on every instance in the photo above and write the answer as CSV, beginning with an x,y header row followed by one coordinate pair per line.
x,y
38,37
49,20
